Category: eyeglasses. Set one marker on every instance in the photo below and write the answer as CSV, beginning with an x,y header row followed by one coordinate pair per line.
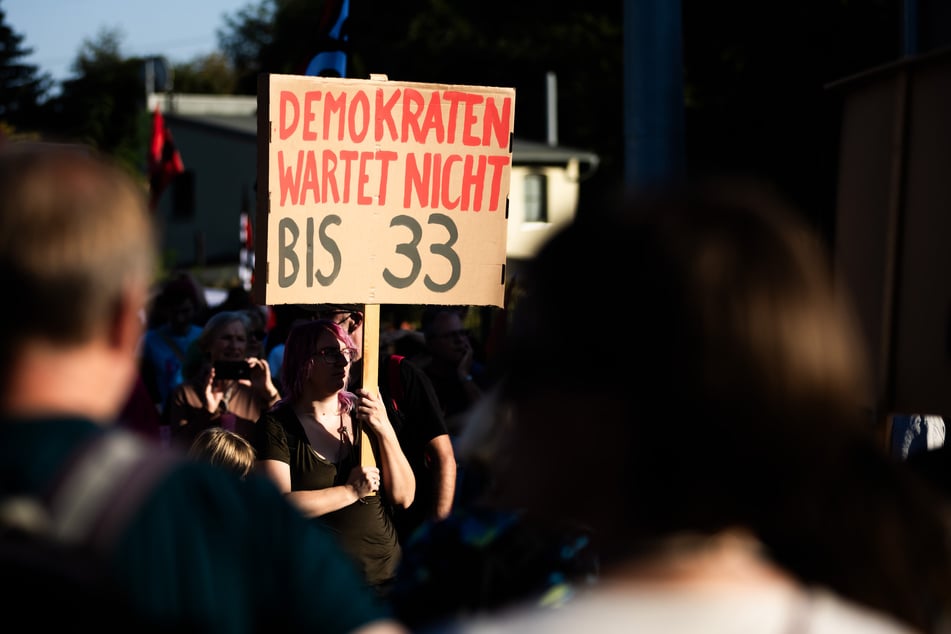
x,y
340,317
333,356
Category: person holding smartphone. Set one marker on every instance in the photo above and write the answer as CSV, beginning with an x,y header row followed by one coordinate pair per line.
x,y
223,386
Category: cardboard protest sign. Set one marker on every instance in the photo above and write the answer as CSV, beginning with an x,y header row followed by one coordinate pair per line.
x,y
382,192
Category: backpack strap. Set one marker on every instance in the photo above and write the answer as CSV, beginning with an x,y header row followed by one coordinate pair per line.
x,y
104,485
179,353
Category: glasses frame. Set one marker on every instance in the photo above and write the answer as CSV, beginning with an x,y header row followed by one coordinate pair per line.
x,y
332,356
352,318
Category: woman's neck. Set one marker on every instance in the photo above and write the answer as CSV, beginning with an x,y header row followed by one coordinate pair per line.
x,y
319,408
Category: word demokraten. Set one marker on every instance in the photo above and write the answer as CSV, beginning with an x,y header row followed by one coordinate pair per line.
x,y
450,180
420,121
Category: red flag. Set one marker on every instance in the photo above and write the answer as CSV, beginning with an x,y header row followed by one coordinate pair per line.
x,y
165,163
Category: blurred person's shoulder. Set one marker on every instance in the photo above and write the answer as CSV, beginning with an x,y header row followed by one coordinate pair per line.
x,y
765,610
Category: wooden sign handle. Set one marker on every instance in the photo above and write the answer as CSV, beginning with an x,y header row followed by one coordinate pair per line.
x,y
371,368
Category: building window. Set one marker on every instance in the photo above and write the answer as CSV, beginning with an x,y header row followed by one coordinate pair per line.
x,y
536,197
183,196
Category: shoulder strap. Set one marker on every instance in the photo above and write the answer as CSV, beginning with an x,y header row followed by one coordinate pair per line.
x,y
179,353
395,384
101,489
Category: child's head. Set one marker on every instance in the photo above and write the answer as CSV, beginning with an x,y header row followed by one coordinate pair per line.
x,y
224,448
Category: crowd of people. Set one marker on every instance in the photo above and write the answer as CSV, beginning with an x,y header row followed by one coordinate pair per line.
x,y
224,469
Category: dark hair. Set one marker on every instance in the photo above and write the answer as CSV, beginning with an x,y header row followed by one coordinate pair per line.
x,y
430,313
732,393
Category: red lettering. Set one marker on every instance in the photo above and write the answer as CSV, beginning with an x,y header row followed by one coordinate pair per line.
x,y
359,105
469,119
417,182
310,97
433,121
285,127
446,179
412,107
384,115
494,121
336,105
363,179
329,166
473,179
385,157
288,181
454,97
437,174
497,163
348,157
310,180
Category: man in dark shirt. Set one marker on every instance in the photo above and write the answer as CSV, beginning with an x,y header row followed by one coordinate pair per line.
x,y
187,546
450,363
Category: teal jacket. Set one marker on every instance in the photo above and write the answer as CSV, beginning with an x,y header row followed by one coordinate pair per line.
x,y
204,550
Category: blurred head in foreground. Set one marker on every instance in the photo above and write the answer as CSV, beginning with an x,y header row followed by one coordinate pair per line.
x,y
77,256
725,390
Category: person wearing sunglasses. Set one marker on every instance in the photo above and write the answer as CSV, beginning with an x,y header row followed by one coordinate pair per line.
x,y
309,445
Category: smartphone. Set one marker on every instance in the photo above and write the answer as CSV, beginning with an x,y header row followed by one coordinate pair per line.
x,y
232,370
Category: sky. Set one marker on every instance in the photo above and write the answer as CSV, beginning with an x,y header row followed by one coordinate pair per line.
x,y
180,30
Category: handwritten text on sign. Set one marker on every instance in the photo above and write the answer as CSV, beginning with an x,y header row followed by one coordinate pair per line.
x,y
387,192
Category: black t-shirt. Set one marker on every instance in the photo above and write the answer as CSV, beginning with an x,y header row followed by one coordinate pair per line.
x,y
935,466
364,528
413,408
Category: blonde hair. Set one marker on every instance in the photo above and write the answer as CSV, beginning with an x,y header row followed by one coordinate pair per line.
x,y
224,448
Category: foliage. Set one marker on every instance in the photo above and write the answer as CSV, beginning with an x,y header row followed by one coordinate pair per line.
x,y
22,86
243,38
210,74
103,103
491,42
755,73
757,98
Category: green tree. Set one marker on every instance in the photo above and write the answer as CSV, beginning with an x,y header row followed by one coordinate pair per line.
x,y
243,39
754,72
208,74
492,42
22,87
103,103
489,43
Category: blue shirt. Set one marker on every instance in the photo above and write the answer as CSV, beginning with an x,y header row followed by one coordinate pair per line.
x,y
164,362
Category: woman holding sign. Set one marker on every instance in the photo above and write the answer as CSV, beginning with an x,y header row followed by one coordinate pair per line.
x,y
309,446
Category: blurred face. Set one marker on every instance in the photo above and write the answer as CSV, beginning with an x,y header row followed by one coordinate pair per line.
x,y
230,344
180,315
449,340
332,359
